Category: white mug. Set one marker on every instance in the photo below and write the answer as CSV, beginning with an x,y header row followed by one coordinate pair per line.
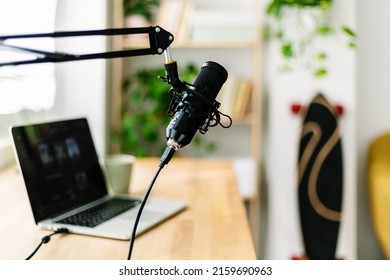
x,y
117,169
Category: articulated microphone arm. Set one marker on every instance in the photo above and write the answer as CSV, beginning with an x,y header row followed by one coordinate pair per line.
x,y
159,41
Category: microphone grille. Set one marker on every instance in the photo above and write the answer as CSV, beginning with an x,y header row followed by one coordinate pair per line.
x,y
211,76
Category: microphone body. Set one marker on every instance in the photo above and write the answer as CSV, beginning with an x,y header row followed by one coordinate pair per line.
x,y
196,106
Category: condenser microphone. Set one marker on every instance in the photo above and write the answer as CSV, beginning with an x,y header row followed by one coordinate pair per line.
x,y
195,109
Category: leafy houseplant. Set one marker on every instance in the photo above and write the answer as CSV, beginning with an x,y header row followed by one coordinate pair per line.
x,y
298,25
144,120
145,8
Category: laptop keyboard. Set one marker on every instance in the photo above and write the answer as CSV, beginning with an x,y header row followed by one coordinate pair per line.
x,y
101,213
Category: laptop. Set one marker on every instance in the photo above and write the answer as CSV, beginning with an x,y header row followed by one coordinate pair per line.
x,y
63,178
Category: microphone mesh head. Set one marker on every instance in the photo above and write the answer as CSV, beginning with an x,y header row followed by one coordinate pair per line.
x,y
211,76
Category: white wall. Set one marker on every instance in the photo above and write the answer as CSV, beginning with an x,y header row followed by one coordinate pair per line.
x,y
283,237
82,85
373,99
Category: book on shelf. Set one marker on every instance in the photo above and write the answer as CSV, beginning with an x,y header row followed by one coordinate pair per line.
x,y
235,97
242,102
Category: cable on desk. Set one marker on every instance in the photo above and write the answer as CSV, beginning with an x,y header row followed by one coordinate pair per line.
x,y
165,158
45,240
140,212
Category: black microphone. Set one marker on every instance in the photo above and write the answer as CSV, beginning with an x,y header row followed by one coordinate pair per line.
x,y
197,104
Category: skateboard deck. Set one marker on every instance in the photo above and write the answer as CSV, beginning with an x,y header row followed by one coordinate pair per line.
x,y
320,179
378,179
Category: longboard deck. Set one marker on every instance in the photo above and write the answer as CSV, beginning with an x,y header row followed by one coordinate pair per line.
x,y
320,179
378,179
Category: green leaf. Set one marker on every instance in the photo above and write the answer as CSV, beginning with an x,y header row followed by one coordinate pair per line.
x,y
352,45
321,72
325,30
287,50
349,31
325,4
274,8
321,56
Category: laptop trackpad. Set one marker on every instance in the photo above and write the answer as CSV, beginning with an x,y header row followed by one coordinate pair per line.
x,y
146,216
127,220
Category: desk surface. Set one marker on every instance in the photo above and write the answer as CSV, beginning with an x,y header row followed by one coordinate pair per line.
x,y
214,226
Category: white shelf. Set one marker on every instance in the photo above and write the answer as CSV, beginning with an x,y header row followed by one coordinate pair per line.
x,y
130,43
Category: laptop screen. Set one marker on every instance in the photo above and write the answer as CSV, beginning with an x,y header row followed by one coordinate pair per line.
x,y
59,165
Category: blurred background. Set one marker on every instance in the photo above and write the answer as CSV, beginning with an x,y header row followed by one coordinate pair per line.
x,y
276,53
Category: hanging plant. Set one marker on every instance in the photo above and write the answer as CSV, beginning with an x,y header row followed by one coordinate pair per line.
x,y
299,26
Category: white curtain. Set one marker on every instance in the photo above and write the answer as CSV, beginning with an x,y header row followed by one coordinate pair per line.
x,y
29,87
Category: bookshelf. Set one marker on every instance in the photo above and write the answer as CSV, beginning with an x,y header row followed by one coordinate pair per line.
x,y
227,32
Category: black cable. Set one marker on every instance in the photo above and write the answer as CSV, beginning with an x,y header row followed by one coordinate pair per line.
x,y
165,158
45,240
140,212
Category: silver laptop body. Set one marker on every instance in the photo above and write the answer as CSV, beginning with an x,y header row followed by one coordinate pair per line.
x,y
62,175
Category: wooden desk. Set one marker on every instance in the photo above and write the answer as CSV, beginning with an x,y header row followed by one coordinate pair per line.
x,y
214,226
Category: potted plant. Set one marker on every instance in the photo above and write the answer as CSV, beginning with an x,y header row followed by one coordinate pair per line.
x,y
298,25
139,12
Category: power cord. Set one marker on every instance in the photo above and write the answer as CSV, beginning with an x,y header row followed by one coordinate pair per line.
x,y
45,240
165,158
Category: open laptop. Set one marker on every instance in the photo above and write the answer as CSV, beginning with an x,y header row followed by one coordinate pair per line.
x,y
63,177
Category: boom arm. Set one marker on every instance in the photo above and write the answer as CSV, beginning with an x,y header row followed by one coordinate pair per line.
x,y
159,41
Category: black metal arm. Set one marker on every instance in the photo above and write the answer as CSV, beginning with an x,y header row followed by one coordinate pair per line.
x,y
159,41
